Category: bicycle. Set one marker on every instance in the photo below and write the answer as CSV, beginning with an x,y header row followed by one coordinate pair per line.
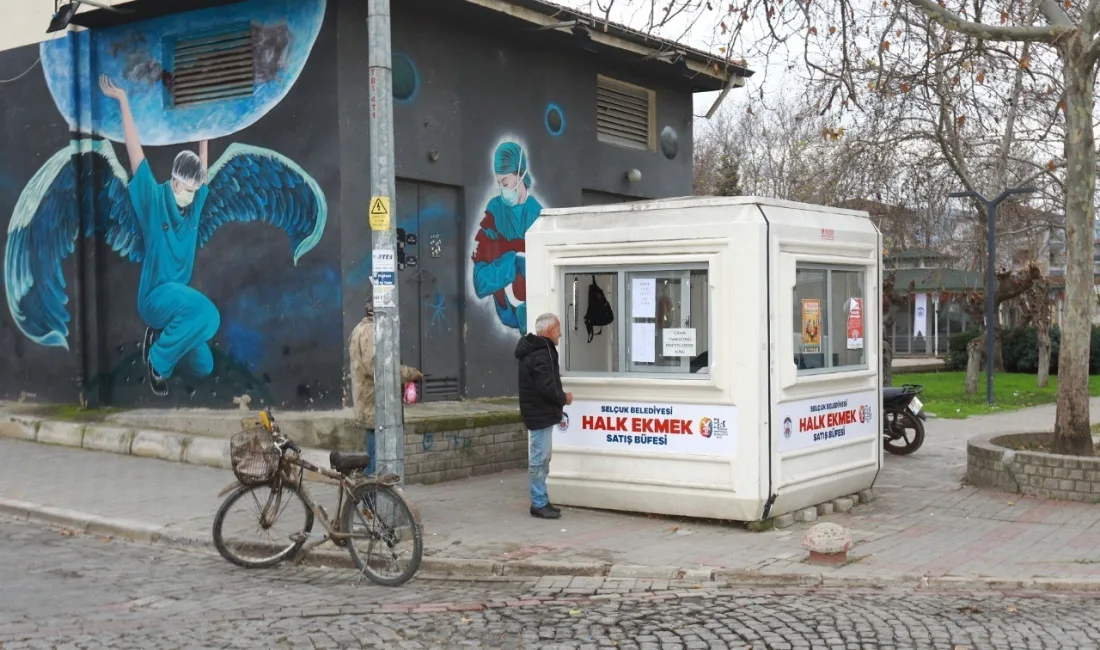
x,y
269,468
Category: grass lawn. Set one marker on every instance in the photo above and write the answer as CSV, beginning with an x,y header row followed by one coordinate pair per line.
x,y
943,392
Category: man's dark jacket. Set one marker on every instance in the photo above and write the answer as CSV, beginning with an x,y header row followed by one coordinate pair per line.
x,y
541,397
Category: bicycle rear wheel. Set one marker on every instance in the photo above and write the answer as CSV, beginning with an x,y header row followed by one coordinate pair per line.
x,y
274,524
385,537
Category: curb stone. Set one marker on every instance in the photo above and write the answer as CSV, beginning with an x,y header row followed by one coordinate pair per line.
x,y
435,567
186,448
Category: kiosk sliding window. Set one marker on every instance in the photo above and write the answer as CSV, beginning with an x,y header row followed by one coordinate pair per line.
x,y
637,320
829,321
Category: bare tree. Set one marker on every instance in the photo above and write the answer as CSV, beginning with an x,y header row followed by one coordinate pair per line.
x,y
1010,285
844,46
1035,304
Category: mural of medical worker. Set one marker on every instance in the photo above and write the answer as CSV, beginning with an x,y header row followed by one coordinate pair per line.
x,y
160,226
500,267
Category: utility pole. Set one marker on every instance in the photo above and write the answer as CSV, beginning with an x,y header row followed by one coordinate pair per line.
x,y
990,274
388,418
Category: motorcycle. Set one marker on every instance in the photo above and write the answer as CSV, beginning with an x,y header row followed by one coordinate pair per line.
x,y
903,419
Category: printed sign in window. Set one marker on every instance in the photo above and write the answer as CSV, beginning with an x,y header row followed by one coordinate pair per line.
x,y
678,342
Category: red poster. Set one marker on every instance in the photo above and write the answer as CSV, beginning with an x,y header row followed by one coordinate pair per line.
x,y
855,324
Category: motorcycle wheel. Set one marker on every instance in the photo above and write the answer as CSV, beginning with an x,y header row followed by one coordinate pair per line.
x,y
909,430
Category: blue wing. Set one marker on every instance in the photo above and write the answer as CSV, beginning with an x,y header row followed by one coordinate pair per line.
x,y
253,184
44,228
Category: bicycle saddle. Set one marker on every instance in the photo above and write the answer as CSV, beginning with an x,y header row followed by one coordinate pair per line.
x,y
348,463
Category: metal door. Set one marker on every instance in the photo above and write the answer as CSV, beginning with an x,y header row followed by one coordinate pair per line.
x,y
428,218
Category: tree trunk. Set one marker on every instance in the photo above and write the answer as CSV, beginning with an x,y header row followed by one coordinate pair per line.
x,y
1071,425
998,359
1043,334
887,363
974,357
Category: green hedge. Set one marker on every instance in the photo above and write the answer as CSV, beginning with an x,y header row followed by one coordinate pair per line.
x,y
1020,349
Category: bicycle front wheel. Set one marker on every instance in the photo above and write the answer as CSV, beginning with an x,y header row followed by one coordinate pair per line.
x,y
259,526
384,534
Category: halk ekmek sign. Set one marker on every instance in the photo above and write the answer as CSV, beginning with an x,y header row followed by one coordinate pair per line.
x,y
819,422
653,427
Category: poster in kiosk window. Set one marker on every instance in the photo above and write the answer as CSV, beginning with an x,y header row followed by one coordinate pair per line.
x,y
855,324
811,325
823,421
651,427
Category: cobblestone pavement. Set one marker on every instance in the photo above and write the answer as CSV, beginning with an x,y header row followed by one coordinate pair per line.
x,y
74,591
923,522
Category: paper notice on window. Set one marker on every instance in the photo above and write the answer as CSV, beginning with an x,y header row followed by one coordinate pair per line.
x,y
678,342
643,342
644,299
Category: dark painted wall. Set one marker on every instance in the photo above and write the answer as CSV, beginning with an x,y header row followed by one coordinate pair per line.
x,y
466,80
482,78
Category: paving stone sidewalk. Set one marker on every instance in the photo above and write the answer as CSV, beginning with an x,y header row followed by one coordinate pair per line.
x,y
924,521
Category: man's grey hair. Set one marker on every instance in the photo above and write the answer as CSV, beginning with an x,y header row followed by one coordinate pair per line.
x,y
545,322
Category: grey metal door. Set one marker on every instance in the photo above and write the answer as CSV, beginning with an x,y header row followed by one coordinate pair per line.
x,y
428,217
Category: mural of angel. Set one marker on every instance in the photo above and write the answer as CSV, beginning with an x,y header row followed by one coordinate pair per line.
x,y
158,225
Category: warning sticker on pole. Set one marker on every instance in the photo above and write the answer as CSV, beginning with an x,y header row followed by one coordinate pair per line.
x,y
379,213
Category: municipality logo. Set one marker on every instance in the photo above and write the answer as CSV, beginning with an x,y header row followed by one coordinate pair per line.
x,y
787,424
713,428
564,424
865,414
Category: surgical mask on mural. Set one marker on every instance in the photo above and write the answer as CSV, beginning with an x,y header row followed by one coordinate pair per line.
x,y
510,195
184,196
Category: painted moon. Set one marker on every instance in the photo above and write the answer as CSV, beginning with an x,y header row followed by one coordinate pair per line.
x,y
139,59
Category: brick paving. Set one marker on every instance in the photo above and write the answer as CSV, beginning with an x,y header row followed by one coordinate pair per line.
x,y
924,521
76,591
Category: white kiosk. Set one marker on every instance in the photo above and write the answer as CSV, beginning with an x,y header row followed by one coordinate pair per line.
x,y
740,377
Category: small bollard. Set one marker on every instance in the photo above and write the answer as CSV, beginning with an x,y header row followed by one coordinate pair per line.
x,y
827,543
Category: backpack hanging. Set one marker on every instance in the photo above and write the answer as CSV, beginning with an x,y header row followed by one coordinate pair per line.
x,y
599,312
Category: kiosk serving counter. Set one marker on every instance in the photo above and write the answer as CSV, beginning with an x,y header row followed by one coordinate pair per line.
x,y
723,353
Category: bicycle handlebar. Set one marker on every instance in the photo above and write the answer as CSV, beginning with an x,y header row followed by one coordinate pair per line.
x,y
284,443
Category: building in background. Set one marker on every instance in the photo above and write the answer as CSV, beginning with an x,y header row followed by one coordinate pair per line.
x,y
248,275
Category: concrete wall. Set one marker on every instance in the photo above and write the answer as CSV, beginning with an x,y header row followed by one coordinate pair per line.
x,y
284,295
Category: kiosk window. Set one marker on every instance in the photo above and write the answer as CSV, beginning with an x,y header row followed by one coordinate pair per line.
x,y
658,322
829,319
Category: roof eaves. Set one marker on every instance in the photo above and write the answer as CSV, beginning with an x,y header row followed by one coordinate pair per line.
x,y
548,14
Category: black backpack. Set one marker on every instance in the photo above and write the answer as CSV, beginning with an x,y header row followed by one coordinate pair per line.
x,y
599,312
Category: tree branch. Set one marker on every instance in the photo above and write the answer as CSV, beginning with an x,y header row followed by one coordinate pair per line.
x,y
1023,33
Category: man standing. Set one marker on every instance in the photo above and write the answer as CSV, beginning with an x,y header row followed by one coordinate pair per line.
x,y
361,353
541,400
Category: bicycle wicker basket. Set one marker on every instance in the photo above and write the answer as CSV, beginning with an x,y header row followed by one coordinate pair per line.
x,y
254,456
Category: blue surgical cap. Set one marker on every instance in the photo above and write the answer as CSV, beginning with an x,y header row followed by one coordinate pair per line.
x,y
510,158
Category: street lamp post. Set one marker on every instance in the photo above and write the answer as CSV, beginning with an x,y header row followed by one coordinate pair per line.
x,y
990,277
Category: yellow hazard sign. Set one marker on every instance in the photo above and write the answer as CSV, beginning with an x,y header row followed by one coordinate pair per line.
x,y
379,213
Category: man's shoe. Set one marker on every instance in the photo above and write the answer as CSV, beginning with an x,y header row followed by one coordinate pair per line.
x,y
545,513
553,507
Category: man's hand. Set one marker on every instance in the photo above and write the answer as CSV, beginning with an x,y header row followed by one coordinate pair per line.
x,y
568,399
110,89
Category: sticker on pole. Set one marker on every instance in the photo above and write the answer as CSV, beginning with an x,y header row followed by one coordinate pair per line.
x,y
379,213
385,279
383,297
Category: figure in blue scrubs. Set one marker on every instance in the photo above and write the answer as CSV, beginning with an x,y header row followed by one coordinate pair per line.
x,y
181,321
500,265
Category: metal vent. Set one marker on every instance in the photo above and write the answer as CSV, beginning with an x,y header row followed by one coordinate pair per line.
x,y
623,113
213,68
441,389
